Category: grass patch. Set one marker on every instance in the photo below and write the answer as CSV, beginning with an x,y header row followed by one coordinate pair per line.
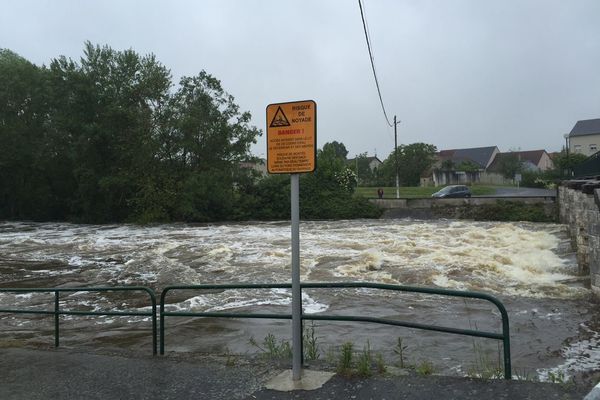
x,y
344,366
363,366
417,191
273,349
484,366
311,344
425,368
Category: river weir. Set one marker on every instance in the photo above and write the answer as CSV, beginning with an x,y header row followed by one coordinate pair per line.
x,y
530,267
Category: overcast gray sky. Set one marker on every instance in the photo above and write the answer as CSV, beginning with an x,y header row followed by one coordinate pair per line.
x,y
458,73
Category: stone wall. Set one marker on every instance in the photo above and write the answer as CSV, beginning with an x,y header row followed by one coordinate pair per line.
x,y
581,213
463,208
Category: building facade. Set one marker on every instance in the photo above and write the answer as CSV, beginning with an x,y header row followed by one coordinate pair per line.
x,y
584,138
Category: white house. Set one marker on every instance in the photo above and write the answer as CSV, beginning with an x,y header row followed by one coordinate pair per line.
x,y
585,137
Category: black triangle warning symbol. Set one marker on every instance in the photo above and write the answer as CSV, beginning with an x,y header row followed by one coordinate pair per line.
x,y
279,119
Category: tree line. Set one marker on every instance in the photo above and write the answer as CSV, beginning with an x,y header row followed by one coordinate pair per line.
x,y
111,138
413,161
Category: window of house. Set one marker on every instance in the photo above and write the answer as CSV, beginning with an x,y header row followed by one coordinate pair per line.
x,y
577,148
593,147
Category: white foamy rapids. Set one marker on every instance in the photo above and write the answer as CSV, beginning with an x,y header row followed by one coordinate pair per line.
x,y
367,266
580,356
240,299
504,258
507,258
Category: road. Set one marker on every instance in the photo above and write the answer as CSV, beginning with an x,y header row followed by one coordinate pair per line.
x,y
65,375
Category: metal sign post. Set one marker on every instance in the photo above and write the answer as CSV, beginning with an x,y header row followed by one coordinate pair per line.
x,y
292,149
296,291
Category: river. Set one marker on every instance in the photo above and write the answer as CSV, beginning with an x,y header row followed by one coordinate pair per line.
x,y
530,267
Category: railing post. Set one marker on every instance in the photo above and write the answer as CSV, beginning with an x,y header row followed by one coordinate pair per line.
x,y
302,338
154,330
162,322
506,346
56,318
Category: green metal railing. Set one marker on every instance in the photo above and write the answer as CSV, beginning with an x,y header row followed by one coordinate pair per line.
x,y
504,336
57,312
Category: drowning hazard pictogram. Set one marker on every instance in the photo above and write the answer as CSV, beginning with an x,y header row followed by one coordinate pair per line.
x,y
279,119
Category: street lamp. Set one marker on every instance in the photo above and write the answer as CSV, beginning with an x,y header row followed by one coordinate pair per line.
x,y
566,136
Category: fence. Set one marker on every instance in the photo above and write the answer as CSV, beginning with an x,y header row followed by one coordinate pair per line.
x,y
504,336
57,312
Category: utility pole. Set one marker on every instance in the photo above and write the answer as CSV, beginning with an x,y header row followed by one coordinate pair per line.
x,y
566,136
396,156
356,165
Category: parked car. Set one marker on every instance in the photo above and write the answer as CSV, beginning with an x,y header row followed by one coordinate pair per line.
x,y
453,191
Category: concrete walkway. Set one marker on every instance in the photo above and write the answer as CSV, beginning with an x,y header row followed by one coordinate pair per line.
x,y
62,374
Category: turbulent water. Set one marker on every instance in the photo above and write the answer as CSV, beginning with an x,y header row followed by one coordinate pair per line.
x,y
529,267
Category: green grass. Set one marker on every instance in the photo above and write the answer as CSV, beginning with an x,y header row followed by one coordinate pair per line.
x,y
414,192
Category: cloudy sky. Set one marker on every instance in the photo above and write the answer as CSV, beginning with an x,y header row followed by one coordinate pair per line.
x,y
458,73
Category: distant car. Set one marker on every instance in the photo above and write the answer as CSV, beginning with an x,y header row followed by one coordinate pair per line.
x,y
453,191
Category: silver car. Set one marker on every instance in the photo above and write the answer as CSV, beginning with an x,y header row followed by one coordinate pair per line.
x,y
453,191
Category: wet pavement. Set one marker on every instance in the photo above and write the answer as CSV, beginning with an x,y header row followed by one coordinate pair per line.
x,y
64,374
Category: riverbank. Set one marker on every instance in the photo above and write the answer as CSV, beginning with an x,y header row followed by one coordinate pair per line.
x,y
64,374
532,209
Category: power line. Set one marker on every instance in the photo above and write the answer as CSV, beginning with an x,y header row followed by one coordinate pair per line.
x,y
372,62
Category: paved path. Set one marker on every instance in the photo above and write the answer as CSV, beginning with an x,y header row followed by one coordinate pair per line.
x,y
62,374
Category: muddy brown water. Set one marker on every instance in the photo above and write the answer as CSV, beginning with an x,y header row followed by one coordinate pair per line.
x,y
529,267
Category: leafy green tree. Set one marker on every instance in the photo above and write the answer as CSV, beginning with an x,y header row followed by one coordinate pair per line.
x,y
413,160
325,194
328,192
364,175
509,165
109,138
337,148
105,108
468,166
447,165
26,190
210,138
563,162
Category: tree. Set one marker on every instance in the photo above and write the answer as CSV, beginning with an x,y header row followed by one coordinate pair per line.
x,y
364,174
509,165
563,162
336,148
211,136
413,160
324,194
25,184
107,139
105,110
468,166
328,192
447,165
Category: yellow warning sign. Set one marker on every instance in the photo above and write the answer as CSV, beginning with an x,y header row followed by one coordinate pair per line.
x,y
292,137
279,119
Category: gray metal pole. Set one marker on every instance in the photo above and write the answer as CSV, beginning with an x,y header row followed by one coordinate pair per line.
x,y
396,157
296,291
